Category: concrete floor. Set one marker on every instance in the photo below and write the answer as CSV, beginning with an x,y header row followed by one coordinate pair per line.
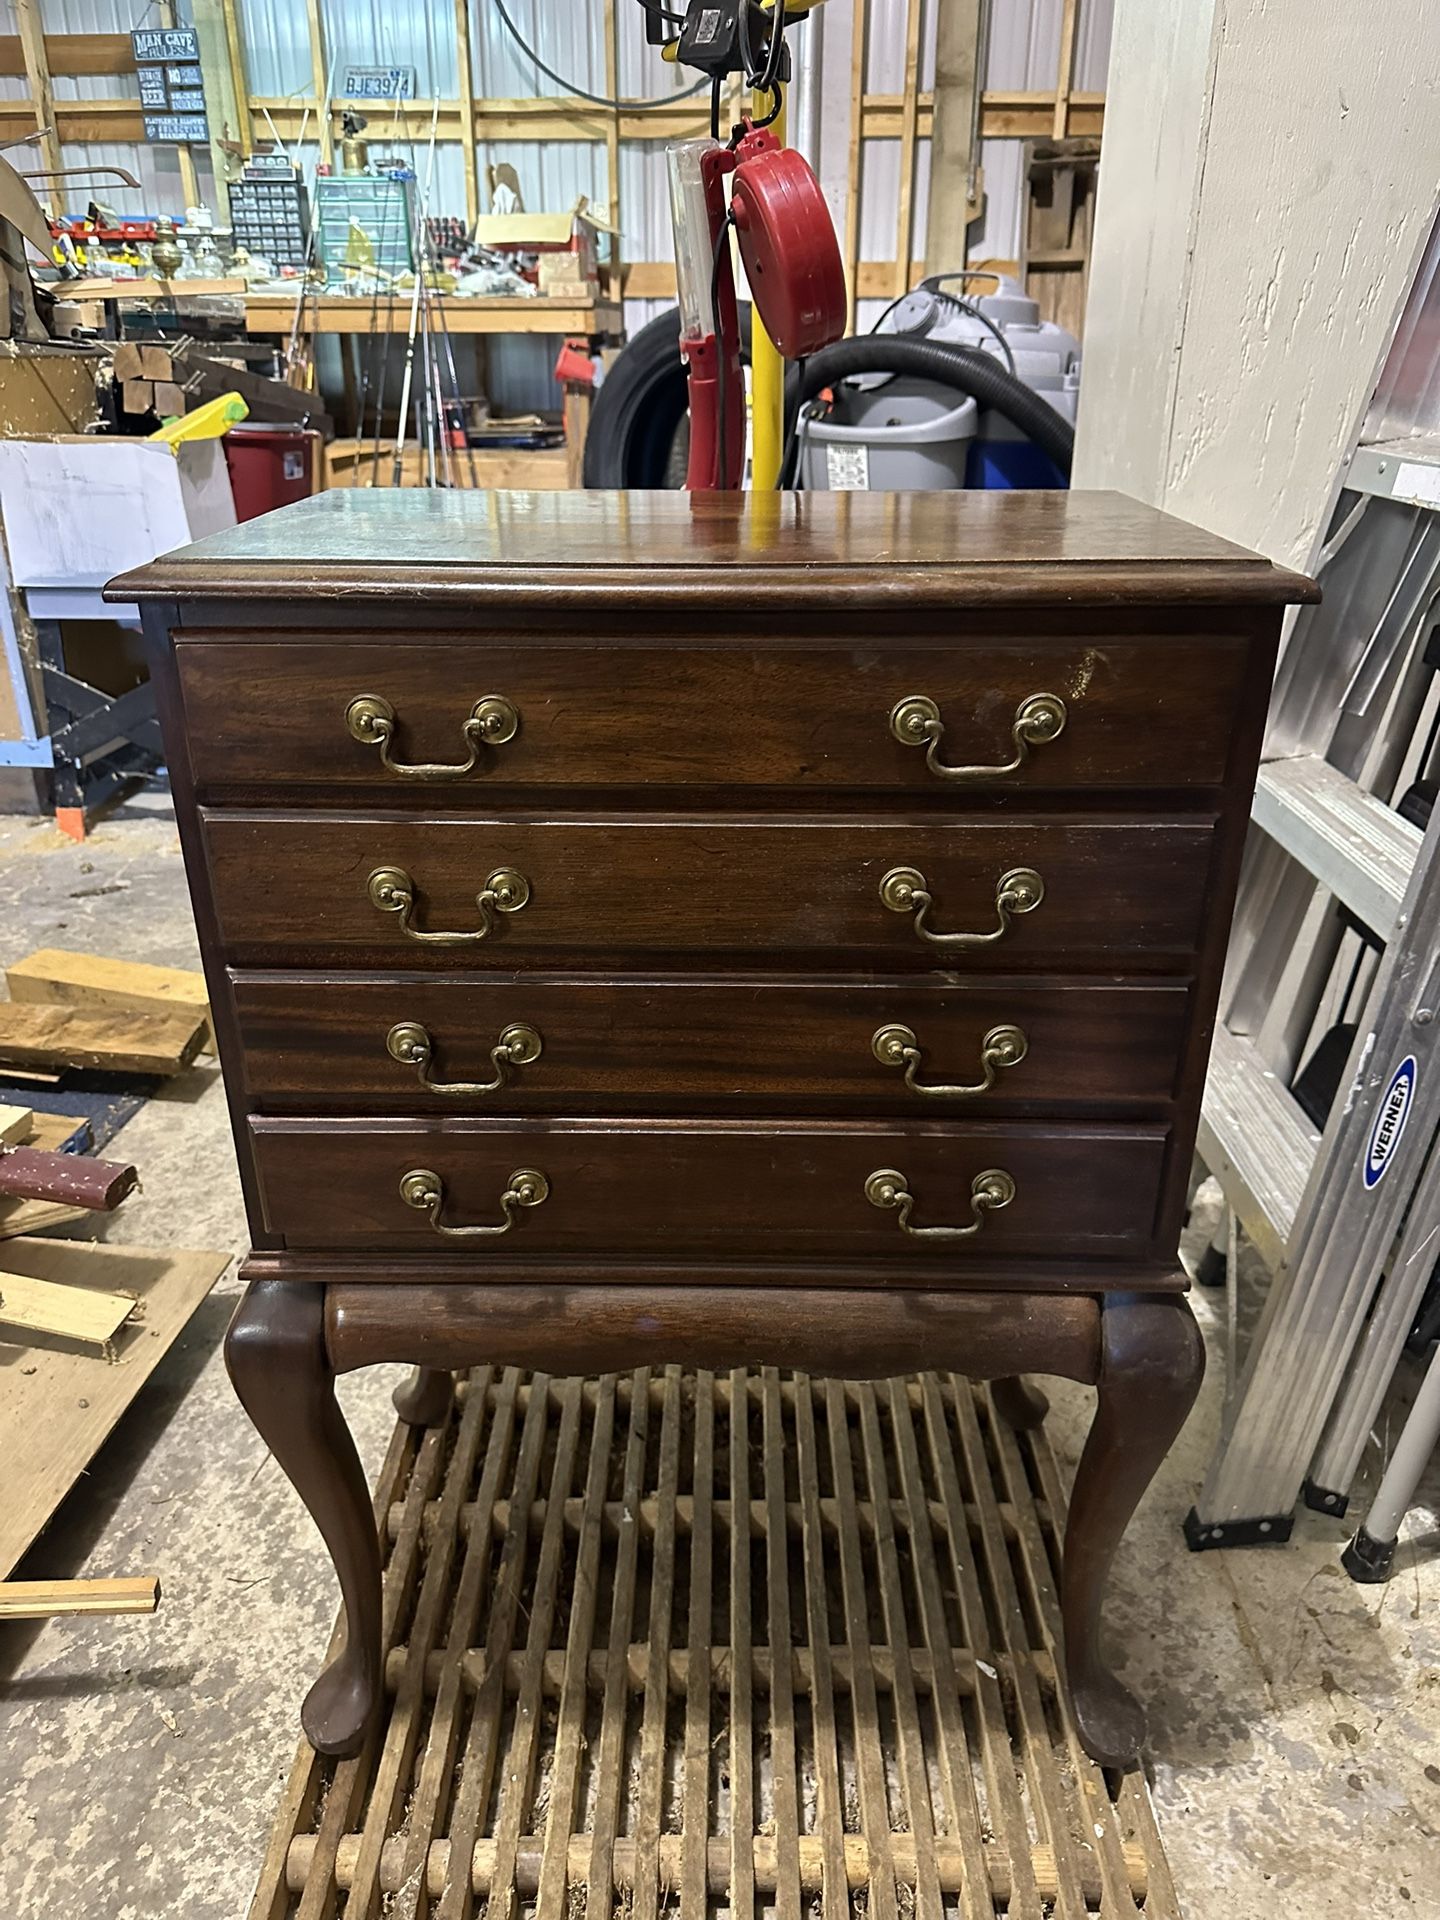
x,y
1295,1717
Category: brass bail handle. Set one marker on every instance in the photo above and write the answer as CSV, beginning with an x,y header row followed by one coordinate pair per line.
x,y
906,890
915,722
425,1192
989,1192
518,1046
391,890
896,1046
493,721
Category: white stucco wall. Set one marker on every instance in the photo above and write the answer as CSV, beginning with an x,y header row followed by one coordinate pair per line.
x,y
1269,174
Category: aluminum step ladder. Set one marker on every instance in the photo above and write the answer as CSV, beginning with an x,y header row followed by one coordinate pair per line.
x,y
1329,853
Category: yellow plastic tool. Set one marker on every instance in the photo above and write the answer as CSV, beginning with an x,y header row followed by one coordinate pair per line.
x,y
204,423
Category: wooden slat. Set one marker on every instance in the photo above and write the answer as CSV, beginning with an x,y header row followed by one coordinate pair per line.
x,y
16,1124
71,53
858,58
54,976
742,1729
465,66
189,179
610,1770
694,1878
909,132
58,1037
55,1599
239,78
1065,79
647,1887
553,1900
610,1761
912,1757
829,1798
870,1743
84,1314
37,74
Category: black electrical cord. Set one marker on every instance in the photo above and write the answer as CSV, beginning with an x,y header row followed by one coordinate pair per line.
x,y
583,93
963,306
663,13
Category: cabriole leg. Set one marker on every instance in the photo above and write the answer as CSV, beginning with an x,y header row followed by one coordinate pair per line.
x,y
424,1399
1152,1361
275,1351
1019,1404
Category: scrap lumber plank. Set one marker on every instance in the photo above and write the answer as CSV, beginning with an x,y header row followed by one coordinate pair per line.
x,y
61,1393
55,976
110,1042
16,1125
48,1306
47,1599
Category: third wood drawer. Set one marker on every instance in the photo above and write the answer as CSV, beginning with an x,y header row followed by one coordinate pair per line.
x,y
547,1043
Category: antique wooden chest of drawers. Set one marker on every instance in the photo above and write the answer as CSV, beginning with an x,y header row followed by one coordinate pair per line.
x,y
765,930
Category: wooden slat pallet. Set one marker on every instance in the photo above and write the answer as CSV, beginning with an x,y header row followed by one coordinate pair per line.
x,y
586,1714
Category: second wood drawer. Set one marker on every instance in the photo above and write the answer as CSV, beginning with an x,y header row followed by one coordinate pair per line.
x,y
546,1043
388,890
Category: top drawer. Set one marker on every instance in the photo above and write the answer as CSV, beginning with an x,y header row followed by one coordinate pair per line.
x,y
442,717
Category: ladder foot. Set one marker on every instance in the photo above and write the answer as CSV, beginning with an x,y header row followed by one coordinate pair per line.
x,y
1324,1500
1368,1560
1202,1535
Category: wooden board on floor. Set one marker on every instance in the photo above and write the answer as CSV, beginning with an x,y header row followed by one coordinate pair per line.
x,y
58,1404
89,1316
54,976
635,1746
99,1041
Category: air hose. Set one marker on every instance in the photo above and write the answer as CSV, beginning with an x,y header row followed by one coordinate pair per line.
x,y
966,370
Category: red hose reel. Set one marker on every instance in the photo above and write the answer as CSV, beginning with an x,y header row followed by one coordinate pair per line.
x,y
787,242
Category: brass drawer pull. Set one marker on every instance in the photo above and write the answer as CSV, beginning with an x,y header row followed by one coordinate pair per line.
x,y
371,720
915,722
904,890
989,1191
410,1044
896,1046
393,891
425,1192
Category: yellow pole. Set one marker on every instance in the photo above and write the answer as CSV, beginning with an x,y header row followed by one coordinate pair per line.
x,y
767,368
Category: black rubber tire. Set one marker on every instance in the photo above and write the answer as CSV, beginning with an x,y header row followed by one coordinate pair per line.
x,y
640,406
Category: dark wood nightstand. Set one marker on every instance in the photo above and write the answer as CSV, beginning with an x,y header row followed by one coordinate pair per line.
x,y
733,930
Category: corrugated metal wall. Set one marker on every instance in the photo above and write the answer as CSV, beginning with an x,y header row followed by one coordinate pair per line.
x,y
569,36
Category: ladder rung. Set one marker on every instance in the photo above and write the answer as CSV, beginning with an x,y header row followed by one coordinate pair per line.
x,y
1256,1142
1406,470
1351,841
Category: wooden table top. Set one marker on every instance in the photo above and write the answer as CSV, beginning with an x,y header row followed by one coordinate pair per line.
x,y
955,547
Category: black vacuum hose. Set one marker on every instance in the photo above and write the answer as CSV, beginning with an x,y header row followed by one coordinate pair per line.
x,y
965,369
640,406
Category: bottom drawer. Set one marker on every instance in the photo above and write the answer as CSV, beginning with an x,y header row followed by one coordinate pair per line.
x,y
715,1190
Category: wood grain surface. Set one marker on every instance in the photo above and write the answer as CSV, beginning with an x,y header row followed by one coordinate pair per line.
x,y
707,1042
1141,713
292,889
655,1189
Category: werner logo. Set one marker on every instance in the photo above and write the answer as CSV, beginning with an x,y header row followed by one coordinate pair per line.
x,y
1395,1107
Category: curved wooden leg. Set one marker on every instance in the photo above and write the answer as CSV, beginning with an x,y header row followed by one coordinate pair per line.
x,y
424,1399
1018,1403
275,1351
1152,1361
